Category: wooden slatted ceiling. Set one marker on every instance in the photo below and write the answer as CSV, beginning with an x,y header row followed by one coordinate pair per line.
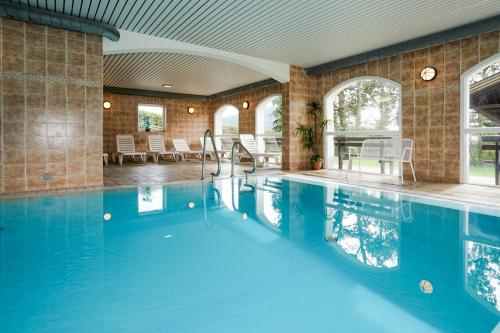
x,y
301,32
187,73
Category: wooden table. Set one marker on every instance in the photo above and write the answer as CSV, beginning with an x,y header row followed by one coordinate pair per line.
x,y
493,143
357,141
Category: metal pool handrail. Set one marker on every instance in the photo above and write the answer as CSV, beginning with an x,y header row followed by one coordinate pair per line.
x,y
207,132
254,164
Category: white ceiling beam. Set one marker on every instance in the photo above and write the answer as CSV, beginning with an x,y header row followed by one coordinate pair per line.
x,y
133,42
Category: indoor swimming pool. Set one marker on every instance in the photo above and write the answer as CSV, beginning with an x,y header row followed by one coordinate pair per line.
x,y
271,254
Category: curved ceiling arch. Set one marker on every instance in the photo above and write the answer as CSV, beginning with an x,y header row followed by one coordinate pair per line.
x,y
188,74
133,42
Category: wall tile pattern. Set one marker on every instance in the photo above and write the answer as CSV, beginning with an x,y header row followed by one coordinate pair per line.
x,y
51,108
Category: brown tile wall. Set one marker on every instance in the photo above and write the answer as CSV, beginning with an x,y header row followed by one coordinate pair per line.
x,y
122,119
51,107
300,90
431,110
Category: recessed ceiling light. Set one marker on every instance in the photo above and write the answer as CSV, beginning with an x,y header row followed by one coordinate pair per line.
x,y
167,86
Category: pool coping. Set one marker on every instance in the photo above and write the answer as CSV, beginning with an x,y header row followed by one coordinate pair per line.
x,y
292,174
423,196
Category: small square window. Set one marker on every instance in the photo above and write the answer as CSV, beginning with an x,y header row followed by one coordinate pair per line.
x,y
150,117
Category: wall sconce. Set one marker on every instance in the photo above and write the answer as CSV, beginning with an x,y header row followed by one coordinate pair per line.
x,y
190,110
428,73
106,105
245,105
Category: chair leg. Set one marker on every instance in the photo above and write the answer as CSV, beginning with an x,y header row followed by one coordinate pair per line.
x,y
413,172
120,159
401,172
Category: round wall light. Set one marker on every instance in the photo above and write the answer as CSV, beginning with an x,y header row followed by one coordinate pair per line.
x,y
245,104
106,105
426,287
428,73
191,110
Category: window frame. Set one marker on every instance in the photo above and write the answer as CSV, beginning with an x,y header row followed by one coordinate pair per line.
x,y
217,115
330,132
164,117
259,137
465,130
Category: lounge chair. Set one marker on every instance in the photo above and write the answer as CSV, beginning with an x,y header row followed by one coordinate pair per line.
x,y
248,140
125,147
182,149
157,148
210,147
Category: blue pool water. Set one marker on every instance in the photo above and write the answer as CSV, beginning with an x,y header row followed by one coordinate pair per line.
x,y
270,255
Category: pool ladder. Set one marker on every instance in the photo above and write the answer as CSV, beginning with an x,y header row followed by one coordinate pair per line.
x,y
214,174
254,163
233,151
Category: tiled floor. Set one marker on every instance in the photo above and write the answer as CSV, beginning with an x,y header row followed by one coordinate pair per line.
x,y
483,195
130,173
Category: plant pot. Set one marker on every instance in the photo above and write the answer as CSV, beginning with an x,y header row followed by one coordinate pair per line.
x,y
317,165
148,129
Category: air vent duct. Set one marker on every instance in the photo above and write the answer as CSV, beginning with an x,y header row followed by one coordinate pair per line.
x,y
58,20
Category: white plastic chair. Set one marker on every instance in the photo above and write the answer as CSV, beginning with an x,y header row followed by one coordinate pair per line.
x,y
406,157
125,146
182,149
385,150
157,148
248,141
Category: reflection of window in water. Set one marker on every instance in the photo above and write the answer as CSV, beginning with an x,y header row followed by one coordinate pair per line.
x,y
150,199
268,197
372,241
483,271
229,192
356,226
271,204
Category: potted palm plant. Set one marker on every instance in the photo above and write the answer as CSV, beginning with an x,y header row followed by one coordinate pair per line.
x,y
311,135
147,123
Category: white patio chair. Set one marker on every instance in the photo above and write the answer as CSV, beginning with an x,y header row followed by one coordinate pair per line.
x,y
385,150
157,148
406,157
248,141
125,147
182,149
210,148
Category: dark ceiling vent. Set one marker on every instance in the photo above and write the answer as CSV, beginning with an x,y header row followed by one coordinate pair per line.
x,y
58,20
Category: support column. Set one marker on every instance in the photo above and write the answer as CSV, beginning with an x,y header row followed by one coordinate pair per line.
x,y
297,93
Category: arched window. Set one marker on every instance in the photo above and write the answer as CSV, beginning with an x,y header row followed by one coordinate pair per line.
x,y
227,121
481,122
361,108
268,123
